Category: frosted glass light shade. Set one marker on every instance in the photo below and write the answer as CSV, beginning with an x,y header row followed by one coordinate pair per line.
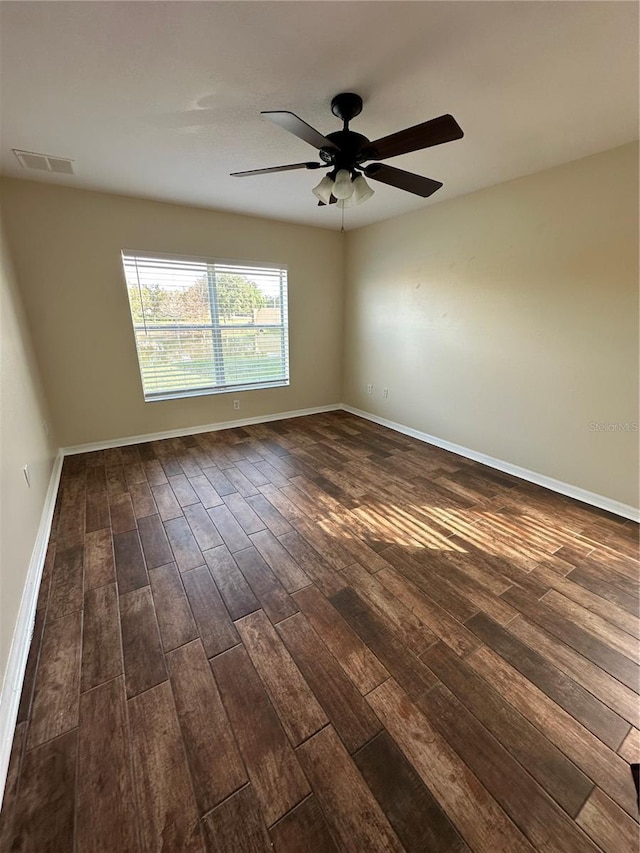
x,y
361,192
343,188
324,190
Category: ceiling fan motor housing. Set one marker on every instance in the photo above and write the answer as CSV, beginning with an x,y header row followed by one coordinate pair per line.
x,y
351,149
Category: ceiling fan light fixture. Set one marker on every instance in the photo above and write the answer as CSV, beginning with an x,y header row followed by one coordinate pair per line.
x,y
343,188
324,189
361,192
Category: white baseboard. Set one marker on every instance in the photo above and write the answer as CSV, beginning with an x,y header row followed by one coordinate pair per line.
x,y
177,433
21,641
591,498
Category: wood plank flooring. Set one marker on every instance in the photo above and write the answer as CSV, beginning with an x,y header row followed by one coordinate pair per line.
x,y
318,635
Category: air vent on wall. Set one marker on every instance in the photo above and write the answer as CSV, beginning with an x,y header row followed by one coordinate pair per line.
x,y
44,162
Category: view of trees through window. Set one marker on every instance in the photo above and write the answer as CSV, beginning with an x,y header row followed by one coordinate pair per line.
x,y
211,330
237,297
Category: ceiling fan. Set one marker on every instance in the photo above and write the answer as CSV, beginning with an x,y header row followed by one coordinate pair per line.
x,y
344,152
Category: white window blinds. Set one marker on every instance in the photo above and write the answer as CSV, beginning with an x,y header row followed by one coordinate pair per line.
x,y
205,326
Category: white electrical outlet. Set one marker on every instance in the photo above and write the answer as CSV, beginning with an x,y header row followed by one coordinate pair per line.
x,y
27,476
385,393
369,389
236,404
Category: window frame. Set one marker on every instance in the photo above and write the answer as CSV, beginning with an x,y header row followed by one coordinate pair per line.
x,y
216,327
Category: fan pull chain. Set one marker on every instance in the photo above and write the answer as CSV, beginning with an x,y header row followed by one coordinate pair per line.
x,y
342,225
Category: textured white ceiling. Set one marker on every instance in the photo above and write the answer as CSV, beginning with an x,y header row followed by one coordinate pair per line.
x,y
163,100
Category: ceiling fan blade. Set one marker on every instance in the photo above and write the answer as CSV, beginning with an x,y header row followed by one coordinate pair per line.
x,y
332,200
277,169
291,122
407,181
433,132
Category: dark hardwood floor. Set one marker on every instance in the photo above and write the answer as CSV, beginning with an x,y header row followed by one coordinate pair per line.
x,y
319,635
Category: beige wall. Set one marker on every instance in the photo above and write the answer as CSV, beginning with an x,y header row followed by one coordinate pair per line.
x,y
22,442
507,321
66,244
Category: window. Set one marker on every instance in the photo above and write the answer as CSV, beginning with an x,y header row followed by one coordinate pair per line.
x,y
206,326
